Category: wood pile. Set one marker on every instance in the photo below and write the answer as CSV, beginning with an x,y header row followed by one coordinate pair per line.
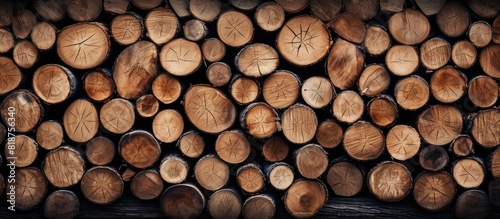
x,y
238,108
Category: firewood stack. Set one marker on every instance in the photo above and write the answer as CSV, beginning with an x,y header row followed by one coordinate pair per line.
x,y
235,108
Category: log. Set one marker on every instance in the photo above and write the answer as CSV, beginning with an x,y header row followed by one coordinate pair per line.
x,y
377,41
409,27
390,181
7,40
412,93
485,129
374,80
25,54
259,206
257,60
472,204
299,124
146,185
344,64
161,24
191,144
280,175
100,151
250,178
43,35
244,90
434,191
435,53
11,75
219,74
362,9
329,134
54,83
348,107
205,10
180,57
22,23
147,105
275,149
440,124
281,89
402,60
363,141
51,10
480,33
30,187
194,30
494,192
430,7
462,146
383,111
82,10
391,6
102,185
6,13
182,201
24,107
232,146
483,91
317,92
25,152
173,169
146,5
62,204
494,163
487,60
345,179
349,27
211,172
484,10
469,173
139,149
168,125
234,28
63,167
269,16
180,7
433,158
464,54
453,19
496,30
98,85
213,50
116,6
311,161
224,203
81,121
260,120
292,6
403,142
325,10
166,88
448,84
127,28
305,198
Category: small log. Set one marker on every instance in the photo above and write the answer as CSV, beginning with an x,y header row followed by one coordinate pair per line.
x,y
147,105
402,142
250,178
146,185
299,124
43,35
211,173
303,47
480,33
472,204
483,91
168,125
494,164
317,92
135,69
440,124
374,80
213,50
435,53
63,167
325,10
390,181
194,30
83,10
464,54
412,92
344,64
232,146
280,175
219,74
362,9
81,121
363,141
349,27
191,144
453,19
180,57
25,54
182,201
98,85
291,6
329,134
49,134
345,179
391,6
377,41
487,60
12,76
383,111
305,198
275,149
246,5
166,88
430,7
24,107
260,120
269,16
161,24
433,158
146,5
102,185
462,146
22,23
496,30
259,206
244,90
7,41
50,10
180,7
235,28
205,10
281,89
448,84
485,9
100,151
348,107
311,161
434,191
61,204
494,192
30,188
54,83
128,174
25,151
257,60
173,169
208,109
127,28
83,49
485,128
409,27
224,203
139,149
116,6
402,60
468,172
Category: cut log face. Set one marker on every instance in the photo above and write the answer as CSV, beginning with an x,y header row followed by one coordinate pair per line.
x,y
100,151
480,34
182,201
244,90
299,124
434,191
224,203
146,185
468,173
83,45
28,111
83,10
275,149
205,10
22,23
259,206
281,89
317,92
494,164
433,158
402,142
377,40
180,57
392,6
116,6
7,40
139,149
303,41
440,124
362,9
363,141
250,178
54,83
232,146
194,30
234,28
311,161
496,30
174,169
161,25
453,19
127,28
25,152
25,54
10,74
325,10
472,204
349,27
51,10
435,53
260,120
485,128
344,64
464,54
409,27
348,107
485,10
166,88
270,16
483,91
43,35
448,84
81,121
191,144
402,60
211,173
61,204
213,50
281,176
257,60
146,5
329,134
430,7
382,111
102,185
390,181
412,92
292,6
246,5
63,167
219,74
30,188
488,60
147,106
373,80
462,146
305,198
98,85
345,179
168,125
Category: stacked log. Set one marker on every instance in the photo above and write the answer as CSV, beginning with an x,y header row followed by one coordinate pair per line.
x,y
249,108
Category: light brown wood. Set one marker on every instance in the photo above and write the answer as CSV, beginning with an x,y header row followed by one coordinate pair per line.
x,y
219,74
224,203
205,10
234,28
453,19
329,134
147,105
180,7
348,107
83,45
259,206
392,6
244,90
402,142
213,50
260,120
146,5
146,185
128,174
349,27
374,80
250,178
464,54
435,53
488,60
363,141
10,74
480,33
275,149
281,89
25,150
63,167
30,187
102,185
317,92
303,41
494,192
232,146
311,161
345,179
211,173
83,10
305,198
139,149
440,124
389,181
494,164
472,204
194,30
127,28
412,92
49,134
469,173
433,158
325,10
98,85
383,111
269,16
299,124
22,23
280,175
292,6
434,191
54,83
135,69
182,201
61,204
448,84
402,60
257,60
191,144
180,57
430,7
24,107
246,5
81,120
208,109
485,9
7,40
161,25
166,88
43,35
362,9
344,64
377,41
116,6
485,128
100,151
50,10
174,169
483,91
462,146
409,27
25,54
